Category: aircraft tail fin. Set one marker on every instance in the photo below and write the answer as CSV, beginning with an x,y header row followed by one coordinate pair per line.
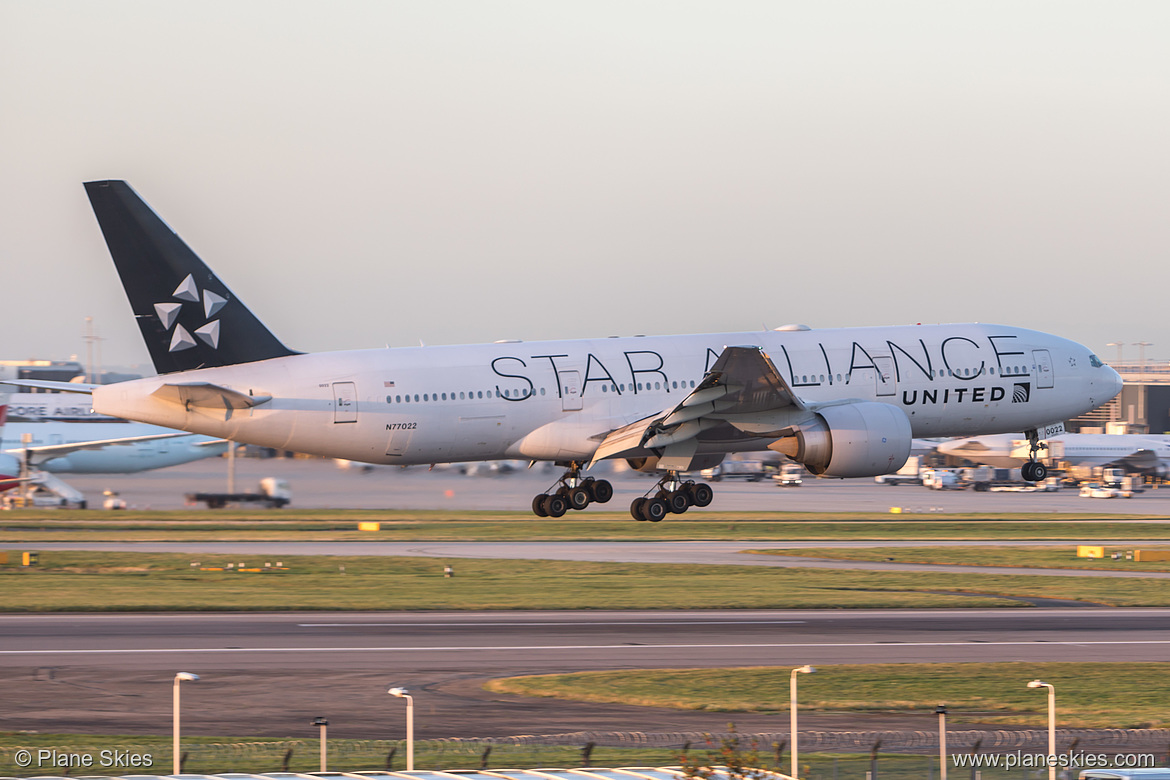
x,y
188,317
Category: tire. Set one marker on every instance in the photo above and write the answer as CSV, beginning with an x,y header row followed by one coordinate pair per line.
x,y
602,491
1039,472
578,498
636,508
702,494
555,505
678,502
655,509
538,506
1028,471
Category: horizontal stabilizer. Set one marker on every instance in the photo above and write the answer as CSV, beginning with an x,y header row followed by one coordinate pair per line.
x,y
208,396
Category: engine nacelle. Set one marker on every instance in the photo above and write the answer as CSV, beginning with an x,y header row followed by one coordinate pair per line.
x,y
864,439
649,465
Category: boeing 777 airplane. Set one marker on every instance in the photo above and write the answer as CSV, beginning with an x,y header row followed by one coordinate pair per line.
x,y
844,402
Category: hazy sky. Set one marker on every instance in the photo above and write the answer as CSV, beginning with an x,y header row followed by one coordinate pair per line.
x,y
372,173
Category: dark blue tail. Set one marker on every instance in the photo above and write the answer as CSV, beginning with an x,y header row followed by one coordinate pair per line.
x,y
188,317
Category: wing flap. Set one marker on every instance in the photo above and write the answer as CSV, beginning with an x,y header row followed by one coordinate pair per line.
x,y
742,383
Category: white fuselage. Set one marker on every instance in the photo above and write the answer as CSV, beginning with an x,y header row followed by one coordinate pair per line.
x,y
556,400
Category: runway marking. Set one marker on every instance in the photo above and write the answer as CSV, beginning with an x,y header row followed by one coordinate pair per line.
x,y
510,648
556,624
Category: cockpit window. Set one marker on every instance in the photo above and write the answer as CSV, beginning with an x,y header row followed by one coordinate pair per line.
x,y
1095,361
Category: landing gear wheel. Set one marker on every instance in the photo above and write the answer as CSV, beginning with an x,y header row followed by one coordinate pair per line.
x,y
578,498
555,505
702,494
678,501
1033,471
538,506
636,508
654,510
602,491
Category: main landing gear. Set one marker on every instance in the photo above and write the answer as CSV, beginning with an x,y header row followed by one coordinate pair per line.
x,y
672,496
572,492
1034,470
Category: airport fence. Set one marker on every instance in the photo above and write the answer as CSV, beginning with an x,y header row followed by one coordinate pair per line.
x,y
891,755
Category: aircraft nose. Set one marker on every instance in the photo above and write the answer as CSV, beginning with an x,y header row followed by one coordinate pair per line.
x,y
1114,382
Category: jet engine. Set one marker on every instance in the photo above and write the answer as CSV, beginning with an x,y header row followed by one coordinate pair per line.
x,y
862,439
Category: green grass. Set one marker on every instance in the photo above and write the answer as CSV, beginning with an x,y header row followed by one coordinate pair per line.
x,y
259,754
334,525
93,581
1088,695
1064,557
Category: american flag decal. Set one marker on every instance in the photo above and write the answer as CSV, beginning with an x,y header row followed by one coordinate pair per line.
x,y
387,384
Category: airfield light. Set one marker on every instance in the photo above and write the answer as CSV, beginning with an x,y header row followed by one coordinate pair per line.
x,y
323,724
941,711
181,677
401,693
806,669
1051,724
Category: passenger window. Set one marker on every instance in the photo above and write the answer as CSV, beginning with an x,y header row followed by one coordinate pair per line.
x,y
416,398
542,391
388,399
605,388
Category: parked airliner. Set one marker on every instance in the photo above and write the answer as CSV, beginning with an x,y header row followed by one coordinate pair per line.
x,y
1134,452
844,402
112,447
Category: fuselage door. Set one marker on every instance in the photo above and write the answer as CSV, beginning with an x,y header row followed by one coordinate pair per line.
x,y
1043,361
886,381
345,407
570,390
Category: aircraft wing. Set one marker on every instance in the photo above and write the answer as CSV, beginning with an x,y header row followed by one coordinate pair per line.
x,y
61,387
47,452
738,398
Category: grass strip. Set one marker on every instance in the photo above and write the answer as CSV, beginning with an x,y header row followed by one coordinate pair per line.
x,y
117,582
1088,695
1063,557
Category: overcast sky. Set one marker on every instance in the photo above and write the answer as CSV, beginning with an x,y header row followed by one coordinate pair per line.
x,y
372,173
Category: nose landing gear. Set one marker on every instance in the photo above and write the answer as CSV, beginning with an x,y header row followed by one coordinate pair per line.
x,y
572,492
671,496
1034,470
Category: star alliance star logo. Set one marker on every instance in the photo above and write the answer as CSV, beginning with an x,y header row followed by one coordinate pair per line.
x,y
168,315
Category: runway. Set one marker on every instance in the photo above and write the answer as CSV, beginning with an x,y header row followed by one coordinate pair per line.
x,y
269,674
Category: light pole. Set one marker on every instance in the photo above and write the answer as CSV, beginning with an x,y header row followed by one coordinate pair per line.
x,y
1051,724
1119,345
323,724
1141,345
941,711
179,678
806,669
402,694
